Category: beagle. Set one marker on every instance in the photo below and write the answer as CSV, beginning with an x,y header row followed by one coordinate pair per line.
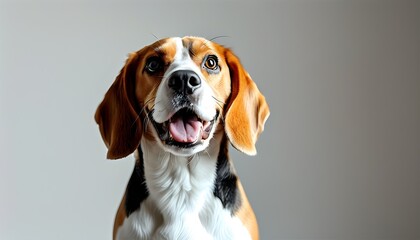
x,y
177,104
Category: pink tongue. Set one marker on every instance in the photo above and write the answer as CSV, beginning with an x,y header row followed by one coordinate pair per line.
x,y
186,130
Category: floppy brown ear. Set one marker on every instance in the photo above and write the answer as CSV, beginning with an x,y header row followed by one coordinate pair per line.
x,y
117,117
247,109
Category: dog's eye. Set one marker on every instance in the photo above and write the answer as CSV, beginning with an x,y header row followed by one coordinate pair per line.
x,y
211,62
153,64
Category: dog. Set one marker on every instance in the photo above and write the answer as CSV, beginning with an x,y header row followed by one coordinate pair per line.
x,y
177,104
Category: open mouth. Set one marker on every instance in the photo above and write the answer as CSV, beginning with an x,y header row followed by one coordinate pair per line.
x,y
184,129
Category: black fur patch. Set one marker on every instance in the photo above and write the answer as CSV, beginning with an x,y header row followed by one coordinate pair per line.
x,y
136,189
226,184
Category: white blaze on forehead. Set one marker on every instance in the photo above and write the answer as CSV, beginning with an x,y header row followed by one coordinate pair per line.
x,y
182,60
181,51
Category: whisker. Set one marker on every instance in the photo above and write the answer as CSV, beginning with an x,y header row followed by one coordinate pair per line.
x,y
206,151
217,37
211,39
142,110
147,118
217,100
154,36
205,43
222,117
219,103
145,105
159,41
145,122
191,160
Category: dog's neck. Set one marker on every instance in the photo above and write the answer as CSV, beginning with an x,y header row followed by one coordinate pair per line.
x,y
178,185
187,195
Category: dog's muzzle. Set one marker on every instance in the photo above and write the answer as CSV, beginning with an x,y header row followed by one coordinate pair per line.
x,y
184,128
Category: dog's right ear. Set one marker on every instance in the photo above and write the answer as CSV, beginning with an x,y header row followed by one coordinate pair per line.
x,y
117,115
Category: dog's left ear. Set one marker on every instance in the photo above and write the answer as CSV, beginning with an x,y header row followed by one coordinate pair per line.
x,y
117,117
246,110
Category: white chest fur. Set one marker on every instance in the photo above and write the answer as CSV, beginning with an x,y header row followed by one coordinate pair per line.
x,y
181,204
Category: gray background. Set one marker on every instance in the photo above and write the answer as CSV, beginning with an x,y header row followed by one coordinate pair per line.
x,y
340,157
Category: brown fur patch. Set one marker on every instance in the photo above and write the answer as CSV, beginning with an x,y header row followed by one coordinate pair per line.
x,y
246,214
119,218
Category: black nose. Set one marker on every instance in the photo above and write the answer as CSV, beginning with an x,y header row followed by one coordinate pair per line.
x,y
184,81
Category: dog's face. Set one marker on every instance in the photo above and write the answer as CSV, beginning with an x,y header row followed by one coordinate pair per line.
x,y
188,81
179,92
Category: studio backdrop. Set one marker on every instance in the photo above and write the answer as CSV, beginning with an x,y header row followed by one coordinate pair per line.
x,y
340,154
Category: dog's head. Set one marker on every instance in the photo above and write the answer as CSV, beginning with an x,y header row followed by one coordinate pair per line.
x,y
179,92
